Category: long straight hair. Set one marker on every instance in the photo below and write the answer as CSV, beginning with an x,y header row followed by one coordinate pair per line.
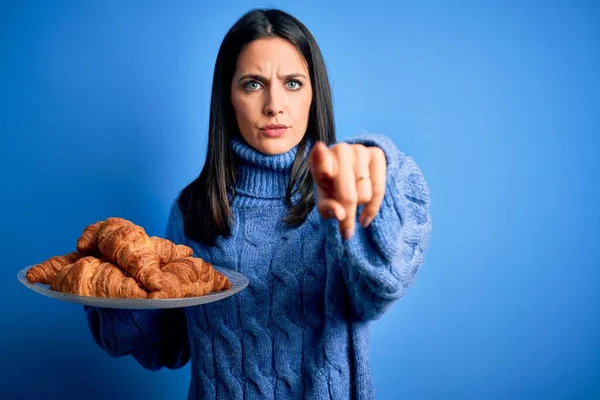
x,y
205,202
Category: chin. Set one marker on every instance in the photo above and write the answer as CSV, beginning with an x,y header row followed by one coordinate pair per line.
x,y
274,150
275,147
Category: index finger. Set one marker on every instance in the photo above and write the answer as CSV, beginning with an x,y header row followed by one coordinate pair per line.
x,y
321,162
322,168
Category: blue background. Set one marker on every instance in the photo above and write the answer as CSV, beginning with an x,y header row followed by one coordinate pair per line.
x,y
104,111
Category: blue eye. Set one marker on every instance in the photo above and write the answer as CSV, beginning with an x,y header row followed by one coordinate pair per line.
x,y
251,85
296,84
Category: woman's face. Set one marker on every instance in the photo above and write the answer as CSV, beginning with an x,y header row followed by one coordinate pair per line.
x,y
271,95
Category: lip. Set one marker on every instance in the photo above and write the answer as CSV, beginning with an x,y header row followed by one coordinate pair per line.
x,y
274,126
274,130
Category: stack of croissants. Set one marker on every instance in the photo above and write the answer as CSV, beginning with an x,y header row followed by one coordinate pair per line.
x,y
115,258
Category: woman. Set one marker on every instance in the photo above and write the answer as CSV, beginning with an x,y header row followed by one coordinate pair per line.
x,y
329,234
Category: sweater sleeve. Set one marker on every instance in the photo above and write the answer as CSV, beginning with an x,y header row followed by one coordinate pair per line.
x,y
380,262
155,338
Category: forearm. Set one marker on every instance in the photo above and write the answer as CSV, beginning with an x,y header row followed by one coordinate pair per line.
x,y
380,262
155,338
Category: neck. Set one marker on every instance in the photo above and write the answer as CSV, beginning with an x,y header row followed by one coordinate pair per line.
x,y
260,175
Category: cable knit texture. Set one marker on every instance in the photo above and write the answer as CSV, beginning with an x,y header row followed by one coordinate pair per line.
x,y
300,329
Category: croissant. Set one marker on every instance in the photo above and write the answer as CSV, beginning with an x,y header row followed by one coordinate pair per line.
x,y
166,249
169,251
221,282
116,258
185,277
91,276
88,241
46,271
128,246
188,277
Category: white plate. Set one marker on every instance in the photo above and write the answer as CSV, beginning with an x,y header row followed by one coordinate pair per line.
x,y
238,282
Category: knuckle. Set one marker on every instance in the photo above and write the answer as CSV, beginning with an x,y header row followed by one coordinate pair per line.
x,y
378,190
349,202
363,200
359,148
371,208
349,199
367,210
347,223
365,195
377,151
342,148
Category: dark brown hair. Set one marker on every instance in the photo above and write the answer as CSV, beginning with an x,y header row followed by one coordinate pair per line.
x,y
204,203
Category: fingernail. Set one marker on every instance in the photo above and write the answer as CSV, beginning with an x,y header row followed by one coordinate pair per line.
x,y
366,222
347,233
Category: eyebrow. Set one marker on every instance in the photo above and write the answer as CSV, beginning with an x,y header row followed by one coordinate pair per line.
x,y
262,78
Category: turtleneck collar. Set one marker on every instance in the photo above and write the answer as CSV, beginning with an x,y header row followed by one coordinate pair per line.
x,y
260,175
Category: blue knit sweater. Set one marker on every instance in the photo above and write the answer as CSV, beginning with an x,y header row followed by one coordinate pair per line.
x,y
301,327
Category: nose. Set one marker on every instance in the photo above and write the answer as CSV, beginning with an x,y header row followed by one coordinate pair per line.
x,y
273,102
